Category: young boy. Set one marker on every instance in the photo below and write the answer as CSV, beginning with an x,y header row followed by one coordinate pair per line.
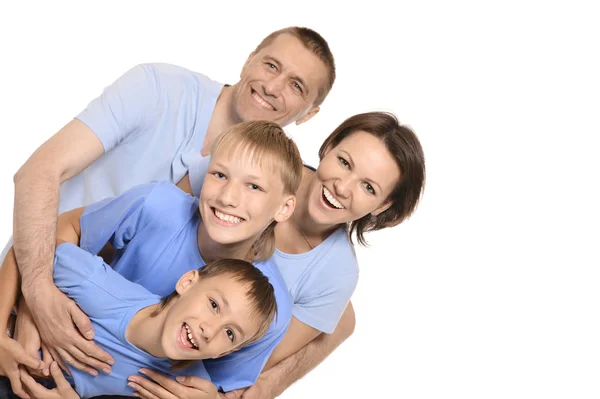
x,y
212,312
159,232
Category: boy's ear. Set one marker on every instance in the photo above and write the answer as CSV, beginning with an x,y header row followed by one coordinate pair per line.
x,y
186,281
286,209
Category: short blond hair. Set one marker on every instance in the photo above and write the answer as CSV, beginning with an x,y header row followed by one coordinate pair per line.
x,y
267,144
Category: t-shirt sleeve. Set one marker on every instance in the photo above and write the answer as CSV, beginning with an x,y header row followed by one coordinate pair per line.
x,y
115,220
124,107
93,284
197,167
323,304
240,369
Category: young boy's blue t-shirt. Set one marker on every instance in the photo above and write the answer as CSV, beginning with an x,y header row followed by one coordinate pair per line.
x,y
154,228
110,301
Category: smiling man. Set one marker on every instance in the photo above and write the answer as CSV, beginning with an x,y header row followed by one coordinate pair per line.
x,y
144,127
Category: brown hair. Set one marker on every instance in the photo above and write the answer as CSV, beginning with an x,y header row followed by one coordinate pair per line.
x,y
259,293
405,148
264,142
313,42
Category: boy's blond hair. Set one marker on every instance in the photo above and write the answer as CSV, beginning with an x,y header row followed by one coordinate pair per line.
x,y
267,144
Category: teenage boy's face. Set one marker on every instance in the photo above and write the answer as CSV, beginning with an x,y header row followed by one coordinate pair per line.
x,y
280,83
241,196
210,318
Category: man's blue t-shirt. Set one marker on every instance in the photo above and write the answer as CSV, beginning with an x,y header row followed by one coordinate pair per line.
x,y
110,301
154,228
149,121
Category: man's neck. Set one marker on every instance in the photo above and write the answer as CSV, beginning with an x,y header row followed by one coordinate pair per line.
x,y
222,118
145,331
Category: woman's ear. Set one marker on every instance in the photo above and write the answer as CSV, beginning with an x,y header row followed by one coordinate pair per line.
x,y
186,281
384,207
286,209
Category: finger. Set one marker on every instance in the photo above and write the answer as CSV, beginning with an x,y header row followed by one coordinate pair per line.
x,y
59,378
37,390
81,352
68,358
195,382
168,383
47,359
90,353
59,360
149,388
15,382
22,357
144,393
234,394
83,323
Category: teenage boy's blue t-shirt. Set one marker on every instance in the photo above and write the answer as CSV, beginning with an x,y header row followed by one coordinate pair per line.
x,y
320,281
154,228
110,301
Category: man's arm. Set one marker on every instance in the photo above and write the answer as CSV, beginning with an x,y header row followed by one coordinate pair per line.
x,y
37,186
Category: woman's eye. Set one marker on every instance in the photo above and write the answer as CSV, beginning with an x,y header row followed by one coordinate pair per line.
x,y
230,334
344,162
370,188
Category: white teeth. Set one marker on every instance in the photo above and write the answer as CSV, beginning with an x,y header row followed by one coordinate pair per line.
x,y
190,337
262,102
331,199
227,218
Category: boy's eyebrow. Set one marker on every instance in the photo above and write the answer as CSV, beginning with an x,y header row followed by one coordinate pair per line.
x,y
295,77
371,181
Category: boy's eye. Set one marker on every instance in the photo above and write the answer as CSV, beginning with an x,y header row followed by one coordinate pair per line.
x,y
230,334
219,175
344,162
214,305
254,186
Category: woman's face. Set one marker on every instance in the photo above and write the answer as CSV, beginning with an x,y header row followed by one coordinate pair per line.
x,y
354,179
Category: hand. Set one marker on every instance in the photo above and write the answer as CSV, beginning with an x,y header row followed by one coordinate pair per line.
x,y
260,390
28,336
54,314
63,389
166,388
11,355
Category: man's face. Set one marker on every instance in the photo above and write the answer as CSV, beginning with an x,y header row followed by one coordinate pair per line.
x,y
280,83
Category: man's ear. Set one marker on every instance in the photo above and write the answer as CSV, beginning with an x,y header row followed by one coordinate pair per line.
x,y
246,63
186,281
286,209
313,111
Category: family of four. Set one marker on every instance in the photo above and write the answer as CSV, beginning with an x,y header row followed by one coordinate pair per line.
x,y
169,241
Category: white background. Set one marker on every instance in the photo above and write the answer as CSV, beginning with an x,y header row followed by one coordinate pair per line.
x,y
491,290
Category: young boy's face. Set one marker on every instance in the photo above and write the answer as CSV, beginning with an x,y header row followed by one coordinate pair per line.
x,y
242,196
211,318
